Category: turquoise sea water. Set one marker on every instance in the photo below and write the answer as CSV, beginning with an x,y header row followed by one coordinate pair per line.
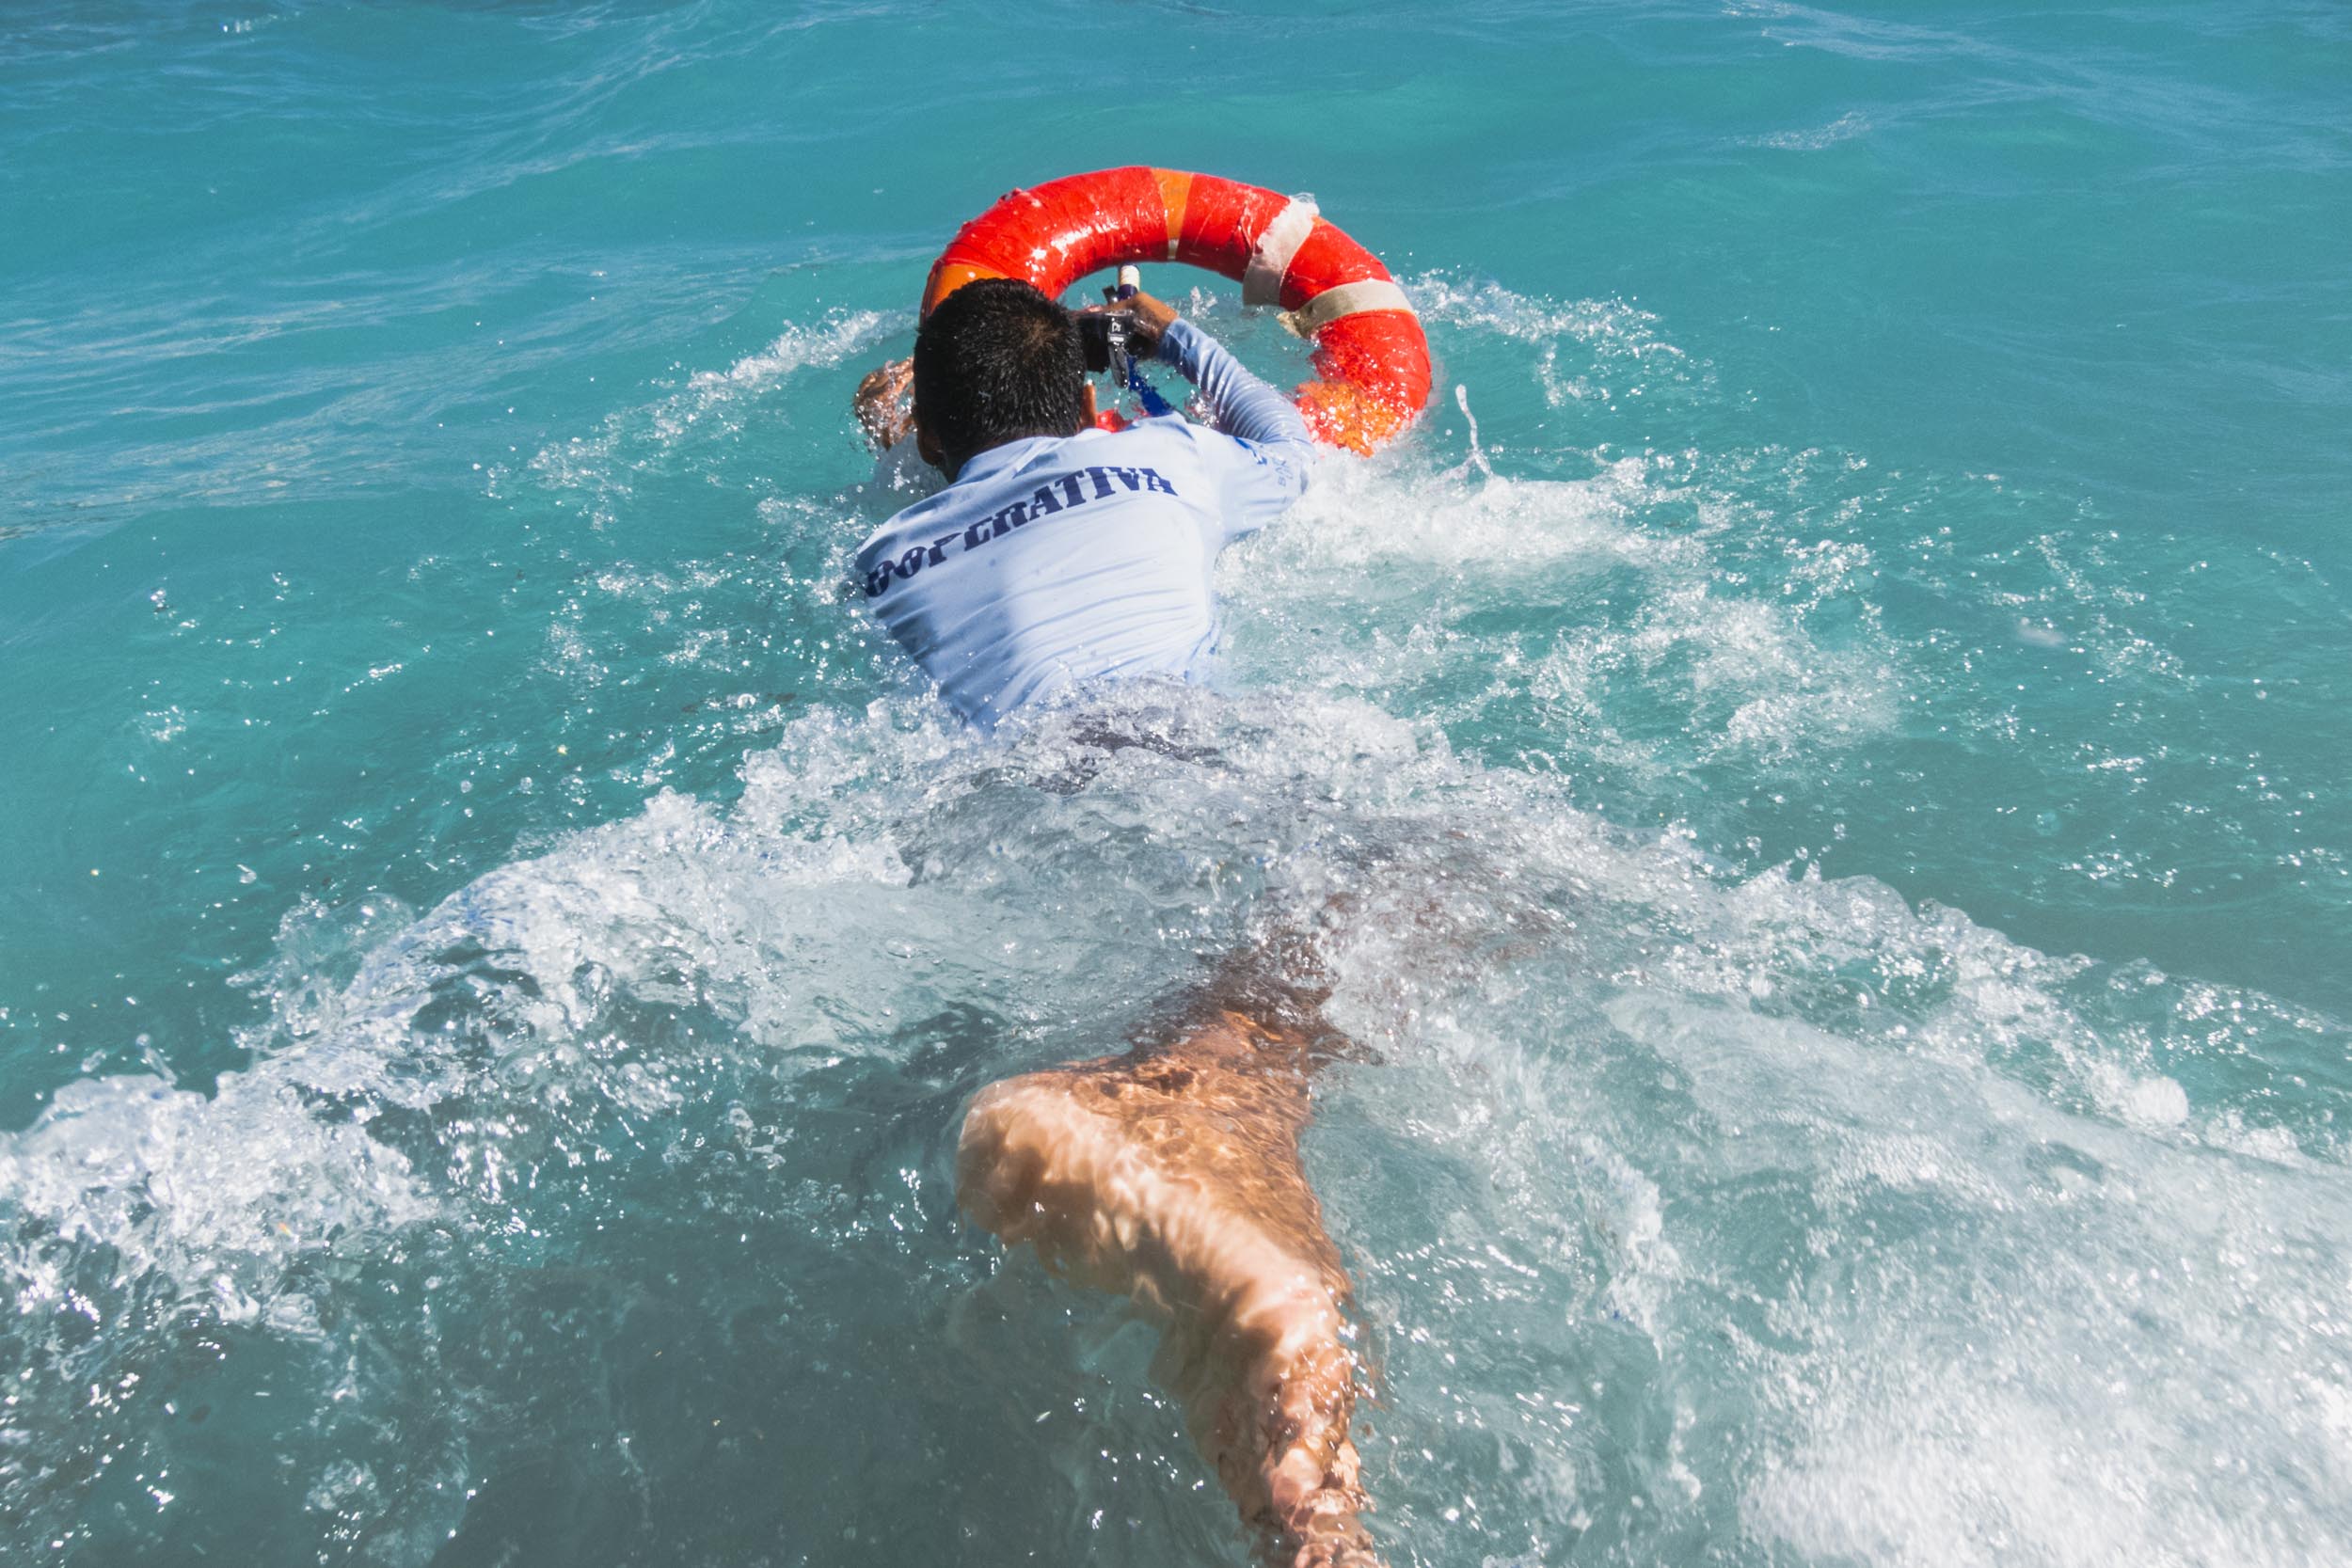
x,y
1838,785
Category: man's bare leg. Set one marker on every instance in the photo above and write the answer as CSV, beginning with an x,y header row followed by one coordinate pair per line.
x,y
1172,1174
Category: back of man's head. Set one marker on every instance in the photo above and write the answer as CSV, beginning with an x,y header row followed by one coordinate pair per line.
x,y
996,361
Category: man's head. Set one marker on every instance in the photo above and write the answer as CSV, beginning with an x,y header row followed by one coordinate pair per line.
x,y
996,361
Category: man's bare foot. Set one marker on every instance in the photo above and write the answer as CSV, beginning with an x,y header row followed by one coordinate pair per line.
x,y
1173,1177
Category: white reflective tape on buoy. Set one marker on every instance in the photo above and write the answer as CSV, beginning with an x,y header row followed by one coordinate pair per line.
x,y
1346,299
1271,258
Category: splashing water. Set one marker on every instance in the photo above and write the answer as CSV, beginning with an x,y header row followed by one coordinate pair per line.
x,y
1690,1201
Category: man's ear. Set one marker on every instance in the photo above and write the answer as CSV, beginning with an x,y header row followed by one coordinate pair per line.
x,y
1091,412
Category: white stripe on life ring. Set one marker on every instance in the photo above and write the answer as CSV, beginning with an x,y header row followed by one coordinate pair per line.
x,y
1346,299
1271,256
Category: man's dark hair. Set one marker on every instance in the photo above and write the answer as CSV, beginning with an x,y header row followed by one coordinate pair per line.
x,y
996,361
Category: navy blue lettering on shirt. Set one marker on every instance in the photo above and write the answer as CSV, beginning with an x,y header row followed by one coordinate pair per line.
x,y
1061,494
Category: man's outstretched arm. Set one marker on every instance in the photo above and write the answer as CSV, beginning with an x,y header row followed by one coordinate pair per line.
x,y
1276,456
1238,403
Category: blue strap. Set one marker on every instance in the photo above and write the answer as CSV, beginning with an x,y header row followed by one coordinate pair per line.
x,y
1154,404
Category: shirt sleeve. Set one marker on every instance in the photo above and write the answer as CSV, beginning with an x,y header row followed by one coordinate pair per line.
x,y
1260,450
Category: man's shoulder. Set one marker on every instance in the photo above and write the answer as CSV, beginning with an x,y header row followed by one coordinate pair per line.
x,y
912,517
1147,457
1173,432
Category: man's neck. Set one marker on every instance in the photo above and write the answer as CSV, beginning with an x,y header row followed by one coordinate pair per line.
x,y
982,458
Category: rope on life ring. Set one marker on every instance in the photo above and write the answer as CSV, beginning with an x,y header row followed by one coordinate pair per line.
x,y
1370,360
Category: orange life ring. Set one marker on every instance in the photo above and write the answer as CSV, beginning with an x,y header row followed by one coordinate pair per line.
x,y
1370,360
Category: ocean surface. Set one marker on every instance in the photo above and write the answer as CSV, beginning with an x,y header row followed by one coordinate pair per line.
x,y
1824,759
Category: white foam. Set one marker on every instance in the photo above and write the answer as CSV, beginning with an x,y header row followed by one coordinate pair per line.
x,y
709,411
1844,128
1700,636
217,1193
1618,328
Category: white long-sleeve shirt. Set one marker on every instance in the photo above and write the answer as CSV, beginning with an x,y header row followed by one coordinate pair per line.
x,y
1055,559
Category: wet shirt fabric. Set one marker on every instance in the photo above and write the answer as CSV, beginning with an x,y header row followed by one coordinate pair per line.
x,y
1058,560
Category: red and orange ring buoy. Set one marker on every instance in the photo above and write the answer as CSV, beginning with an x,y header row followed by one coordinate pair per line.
x,y
1370,360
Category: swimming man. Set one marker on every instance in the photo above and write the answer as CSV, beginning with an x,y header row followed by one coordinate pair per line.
x,y
1061,554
